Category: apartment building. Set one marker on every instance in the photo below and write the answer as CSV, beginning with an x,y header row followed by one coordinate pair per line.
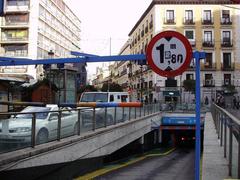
x,y
37,29
211,26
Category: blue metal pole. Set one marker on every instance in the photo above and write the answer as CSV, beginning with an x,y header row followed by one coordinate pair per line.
x,y
198,106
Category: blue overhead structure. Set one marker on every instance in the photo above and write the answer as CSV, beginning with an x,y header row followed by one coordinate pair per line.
x,y
2,7
82,58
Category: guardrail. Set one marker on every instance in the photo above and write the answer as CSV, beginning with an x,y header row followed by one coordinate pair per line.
x,y
28,129
228,131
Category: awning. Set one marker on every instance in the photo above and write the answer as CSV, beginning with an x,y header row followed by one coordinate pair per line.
x,y
171,93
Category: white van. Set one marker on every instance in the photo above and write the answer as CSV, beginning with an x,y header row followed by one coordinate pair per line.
x,y
105,97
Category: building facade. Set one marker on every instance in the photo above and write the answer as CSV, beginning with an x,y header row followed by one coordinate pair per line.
x,y
211,26
37,29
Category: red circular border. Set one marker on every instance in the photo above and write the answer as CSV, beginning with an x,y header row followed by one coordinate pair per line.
x,y
186,63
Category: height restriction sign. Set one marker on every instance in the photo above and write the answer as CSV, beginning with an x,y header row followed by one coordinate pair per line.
x,y
169,53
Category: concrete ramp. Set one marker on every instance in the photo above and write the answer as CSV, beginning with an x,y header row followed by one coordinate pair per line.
x,y
101,142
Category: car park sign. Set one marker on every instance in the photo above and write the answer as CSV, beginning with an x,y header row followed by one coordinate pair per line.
x,y
169,53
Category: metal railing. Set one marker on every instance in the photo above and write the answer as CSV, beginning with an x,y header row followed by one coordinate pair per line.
x,y
19,130
228,131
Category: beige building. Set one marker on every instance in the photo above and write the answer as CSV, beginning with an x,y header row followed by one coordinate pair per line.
x,y
211,26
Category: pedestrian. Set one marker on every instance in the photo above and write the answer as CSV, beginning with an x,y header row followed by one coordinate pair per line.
x,y
238,102
234,102
206,101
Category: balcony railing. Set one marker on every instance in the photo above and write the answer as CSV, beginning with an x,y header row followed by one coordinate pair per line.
x,y
13,23
226,43
227,82
14,39
188,21
16,54
169,21
17,5
207,21
227,67
211,66
206,43
209,83
226,21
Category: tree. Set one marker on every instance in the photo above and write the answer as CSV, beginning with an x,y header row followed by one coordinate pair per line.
x,y
113,87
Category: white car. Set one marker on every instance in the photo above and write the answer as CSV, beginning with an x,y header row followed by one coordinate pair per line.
x,y
18,129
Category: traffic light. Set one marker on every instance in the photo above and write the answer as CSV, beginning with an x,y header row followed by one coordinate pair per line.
x,y
2,7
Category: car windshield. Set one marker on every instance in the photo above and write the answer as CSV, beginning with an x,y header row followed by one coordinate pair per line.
x,y
43,112
94,97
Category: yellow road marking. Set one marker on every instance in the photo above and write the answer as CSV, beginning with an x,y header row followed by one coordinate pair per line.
x,y
118,166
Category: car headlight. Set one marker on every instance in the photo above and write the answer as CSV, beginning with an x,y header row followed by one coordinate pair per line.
x,y
20,130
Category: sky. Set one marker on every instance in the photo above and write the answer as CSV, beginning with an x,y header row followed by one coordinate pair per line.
x,y
105,21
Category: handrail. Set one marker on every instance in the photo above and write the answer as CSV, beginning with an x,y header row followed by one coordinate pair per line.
x,y
225,120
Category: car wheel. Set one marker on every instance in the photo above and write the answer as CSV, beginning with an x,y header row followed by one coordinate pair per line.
x,y
42,136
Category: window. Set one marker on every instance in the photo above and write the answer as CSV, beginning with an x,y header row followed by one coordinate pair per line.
x,y
189,34
226,17
208,39
209,60
207,17
226,38
227,79
189,76
226,60
209,80
170,16
188,17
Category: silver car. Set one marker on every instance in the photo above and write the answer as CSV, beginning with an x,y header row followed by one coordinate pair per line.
x,y
18,129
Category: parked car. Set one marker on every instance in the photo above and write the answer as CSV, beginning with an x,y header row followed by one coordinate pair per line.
x,y
18,129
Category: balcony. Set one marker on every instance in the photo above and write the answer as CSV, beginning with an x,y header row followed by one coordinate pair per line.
x,y
146,29
226,43
187,21
123,72
227,82
16,6
208,83
206,43
227,67
169,21
16,53
14,39
209,66
192,42
151,25
226,21
14,22
207,21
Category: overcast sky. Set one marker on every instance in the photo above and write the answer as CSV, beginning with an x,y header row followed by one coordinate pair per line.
x,y
105,19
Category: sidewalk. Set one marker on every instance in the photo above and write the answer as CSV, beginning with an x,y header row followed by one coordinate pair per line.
x,y
214,165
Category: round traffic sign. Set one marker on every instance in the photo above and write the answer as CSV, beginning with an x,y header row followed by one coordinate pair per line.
x,y
169,53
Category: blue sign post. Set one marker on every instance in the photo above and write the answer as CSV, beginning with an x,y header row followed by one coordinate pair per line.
x,y
198,56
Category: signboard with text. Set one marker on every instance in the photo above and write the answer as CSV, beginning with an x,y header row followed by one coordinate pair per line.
x,y
169,53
